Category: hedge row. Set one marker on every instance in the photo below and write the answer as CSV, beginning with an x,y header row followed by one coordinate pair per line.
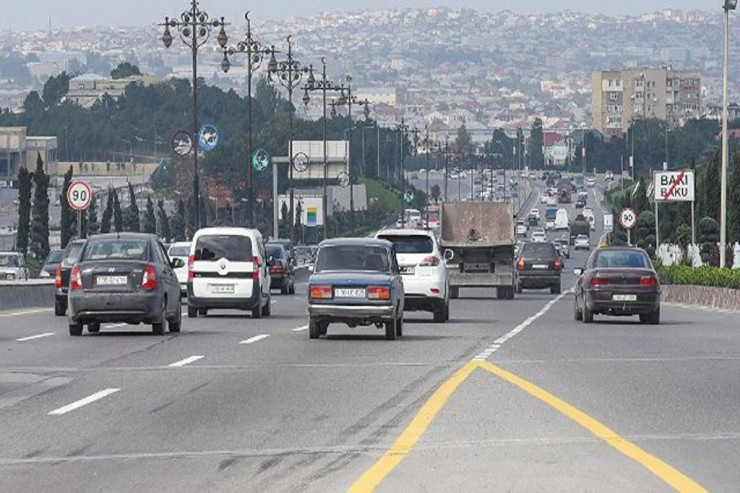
x,y
699,276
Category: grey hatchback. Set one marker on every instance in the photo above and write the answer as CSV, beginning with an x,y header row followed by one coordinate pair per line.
x,y
126,278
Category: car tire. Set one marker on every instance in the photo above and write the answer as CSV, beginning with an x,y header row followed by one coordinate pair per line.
x,y
652,318
267,309
555,289
399,326
440,313
75,329
323,328
93,328
588,315
192,311
577,314
60,308
203,312
284,290
158,326
454,292
518,288
257,311
390,330
292,288
175,324
314,331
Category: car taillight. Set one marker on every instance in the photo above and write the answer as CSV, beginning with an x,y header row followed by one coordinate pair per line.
x,y
378,293
58,278
191,264
149,281
256,267
599,281
520,264
321,292
648,281
430,261
75,281
557,263
277,269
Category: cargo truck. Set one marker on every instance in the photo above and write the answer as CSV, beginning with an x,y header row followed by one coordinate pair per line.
x,y
478,240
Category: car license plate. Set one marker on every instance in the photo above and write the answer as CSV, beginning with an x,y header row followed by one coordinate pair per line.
x,y
221,288
540,266
111,280
624,297
408,270
349,293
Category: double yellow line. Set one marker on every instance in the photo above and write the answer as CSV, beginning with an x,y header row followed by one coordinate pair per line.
x,y
372,478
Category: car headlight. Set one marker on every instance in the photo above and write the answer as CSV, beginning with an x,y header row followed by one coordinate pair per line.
x,y
43,273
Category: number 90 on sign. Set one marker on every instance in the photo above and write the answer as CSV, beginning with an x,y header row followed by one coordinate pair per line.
x,y
79,195
628,218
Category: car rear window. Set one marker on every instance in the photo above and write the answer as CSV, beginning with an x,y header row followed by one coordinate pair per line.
x,y
55,257
9,261
179,251
275,251
116,249
235,248
538,250
353,257
411,243
622,259
72,253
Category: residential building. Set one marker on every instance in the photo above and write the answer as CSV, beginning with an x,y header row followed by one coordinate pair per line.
x,y
620,97
86,89
20,150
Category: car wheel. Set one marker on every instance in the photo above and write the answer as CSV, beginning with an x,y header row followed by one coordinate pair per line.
x,y
284,290
257,311
314,331
518,288
158,326
60,308
652,318
176,323
93,328
399,325
203,312
75,329
510,293
454,292
588,315
192,311
577,314
390,330
439,313
292,288
267,309
555,289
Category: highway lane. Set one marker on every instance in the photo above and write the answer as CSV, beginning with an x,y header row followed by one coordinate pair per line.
x,y
284,413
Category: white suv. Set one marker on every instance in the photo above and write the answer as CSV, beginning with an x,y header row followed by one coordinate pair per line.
x,y
423,270
227,269
181,250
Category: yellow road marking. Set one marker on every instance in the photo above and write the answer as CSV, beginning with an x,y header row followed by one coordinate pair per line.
x,y
662,470
403,445
24,312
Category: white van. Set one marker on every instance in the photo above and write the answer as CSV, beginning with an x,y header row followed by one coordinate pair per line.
x,y
227,269
561,220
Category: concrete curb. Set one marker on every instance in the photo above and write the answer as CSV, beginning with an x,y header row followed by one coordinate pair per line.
x,y
26,294
721,298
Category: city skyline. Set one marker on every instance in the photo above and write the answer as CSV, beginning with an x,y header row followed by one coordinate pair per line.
x,y
86,12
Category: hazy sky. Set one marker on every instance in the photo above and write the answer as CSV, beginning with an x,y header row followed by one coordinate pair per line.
x,y
33,14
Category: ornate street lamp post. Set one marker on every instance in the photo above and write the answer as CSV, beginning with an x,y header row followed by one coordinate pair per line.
x,y
194,28
255,53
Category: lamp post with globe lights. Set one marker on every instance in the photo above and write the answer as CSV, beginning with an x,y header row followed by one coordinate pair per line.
x,y
194,28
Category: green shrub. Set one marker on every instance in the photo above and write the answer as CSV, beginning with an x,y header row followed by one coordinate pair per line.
x,y
699,276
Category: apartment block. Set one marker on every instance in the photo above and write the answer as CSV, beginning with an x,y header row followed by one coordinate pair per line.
x,y
620,97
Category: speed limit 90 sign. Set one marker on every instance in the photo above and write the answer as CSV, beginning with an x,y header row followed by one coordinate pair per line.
x,y
628,218
79,195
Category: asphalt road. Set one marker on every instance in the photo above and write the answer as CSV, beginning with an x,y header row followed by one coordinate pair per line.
x,y
507,396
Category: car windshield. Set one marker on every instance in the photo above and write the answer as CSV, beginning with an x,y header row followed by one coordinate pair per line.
x,y
72,253
236,248
179,251
116,249
9,261
353,257
621,259
55,257
410,244
276,252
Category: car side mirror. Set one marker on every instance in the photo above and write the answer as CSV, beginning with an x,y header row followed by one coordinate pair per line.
x,y
449,254
578,271
177,263
310,268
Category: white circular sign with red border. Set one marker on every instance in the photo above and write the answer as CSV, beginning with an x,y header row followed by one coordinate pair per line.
x,y
79,195
628,218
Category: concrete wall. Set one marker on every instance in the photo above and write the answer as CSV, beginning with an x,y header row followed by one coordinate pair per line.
x,y
21,295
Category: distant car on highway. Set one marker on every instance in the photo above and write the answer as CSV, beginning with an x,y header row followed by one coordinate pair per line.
x,y
282,273
306,254
50,264
356,281
181,250
124,278
61,277
563,246
13,267
423,270
538,266
582,242
538,235
618,281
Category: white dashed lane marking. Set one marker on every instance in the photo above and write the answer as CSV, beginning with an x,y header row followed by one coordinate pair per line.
x,y
186,361
39,336
83,402
300,329
254,339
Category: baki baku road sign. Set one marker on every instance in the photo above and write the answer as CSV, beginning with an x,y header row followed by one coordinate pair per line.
x,y
674,186
79,195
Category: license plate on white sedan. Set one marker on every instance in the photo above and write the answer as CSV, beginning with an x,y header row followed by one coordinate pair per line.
x,y
349,293
221,288
408,270
624,297
111,280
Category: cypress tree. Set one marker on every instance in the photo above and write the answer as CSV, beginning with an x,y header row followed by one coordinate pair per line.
x,y
190,219
132,221
40,212
711,205
733,208
107,213
92,227
68,215
164,222
149,224
25,185
117,213
177,222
